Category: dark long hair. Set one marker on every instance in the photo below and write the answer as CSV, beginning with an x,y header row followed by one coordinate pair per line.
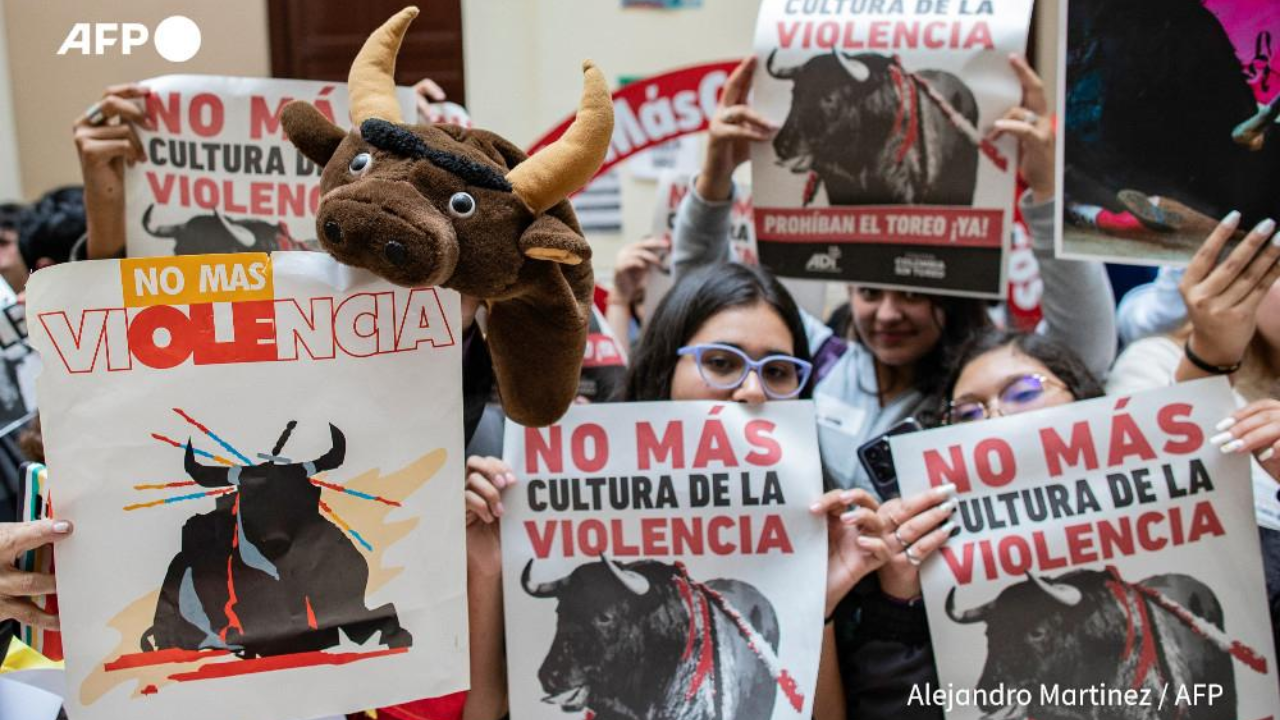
x,y
1061,360
697,296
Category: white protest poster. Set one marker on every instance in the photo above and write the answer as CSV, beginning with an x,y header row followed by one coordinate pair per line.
x,y
672,188
660,561
883,171
262,458
1107,564
221,176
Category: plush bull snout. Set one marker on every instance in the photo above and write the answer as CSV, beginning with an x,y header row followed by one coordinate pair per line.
x,y
387,227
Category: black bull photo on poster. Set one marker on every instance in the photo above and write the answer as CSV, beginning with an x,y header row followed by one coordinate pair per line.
x,y
246,579
875,134
644,640
1050,639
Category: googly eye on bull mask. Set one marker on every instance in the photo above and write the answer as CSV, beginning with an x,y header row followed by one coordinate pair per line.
x,y
462,205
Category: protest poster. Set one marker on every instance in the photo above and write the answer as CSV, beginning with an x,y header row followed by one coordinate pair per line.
x,y
221,176
261,457
1158,143
672,187
883,171
1107,564
660,560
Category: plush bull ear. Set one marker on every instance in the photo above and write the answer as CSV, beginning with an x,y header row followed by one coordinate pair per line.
x,y
210,477
968,617
1068,595
549,238
311,132
337,452
857,69
630,579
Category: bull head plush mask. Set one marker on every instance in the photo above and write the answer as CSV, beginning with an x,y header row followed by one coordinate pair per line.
x,y
466,209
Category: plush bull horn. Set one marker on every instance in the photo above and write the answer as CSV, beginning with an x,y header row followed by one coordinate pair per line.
x,y
630,579
1068,595
568,163
782,73
337,451
541,590
857,69
371,82
164,231
968,617
210,477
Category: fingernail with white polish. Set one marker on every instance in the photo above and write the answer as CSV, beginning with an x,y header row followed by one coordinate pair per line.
x,y
500,510
950,528
1225,424
815,507
1221,438
849,517
1233,446
847,497
1232,218
62,526
946,490
949,505
1266,227
511,479
1267,455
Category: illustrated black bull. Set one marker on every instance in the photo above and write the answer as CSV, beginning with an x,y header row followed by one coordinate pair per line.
x,y
1157,102
263,573
217,233
871,134
627,645
1087,628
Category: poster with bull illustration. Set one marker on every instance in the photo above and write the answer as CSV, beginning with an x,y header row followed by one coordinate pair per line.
x,y
660,561
220,175
885,170
1107,565
261,456
1159,141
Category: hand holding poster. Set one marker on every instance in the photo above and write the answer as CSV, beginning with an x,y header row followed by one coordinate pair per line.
x,y
1107,566
883,171
261,456
660,560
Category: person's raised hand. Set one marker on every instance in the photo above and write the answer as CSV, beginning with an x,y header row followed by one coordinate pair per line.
x,y
1222,298
733,128
1031,124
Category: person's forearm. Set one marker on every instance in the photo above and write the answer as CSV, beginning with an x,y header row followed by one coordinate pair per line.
x,y
828,698
701,232
618,314
1078,306
104,220
487,699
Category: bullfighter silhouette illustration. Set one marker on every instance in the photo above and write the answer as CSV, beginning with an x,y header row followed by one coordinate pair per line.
x,y
265,573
